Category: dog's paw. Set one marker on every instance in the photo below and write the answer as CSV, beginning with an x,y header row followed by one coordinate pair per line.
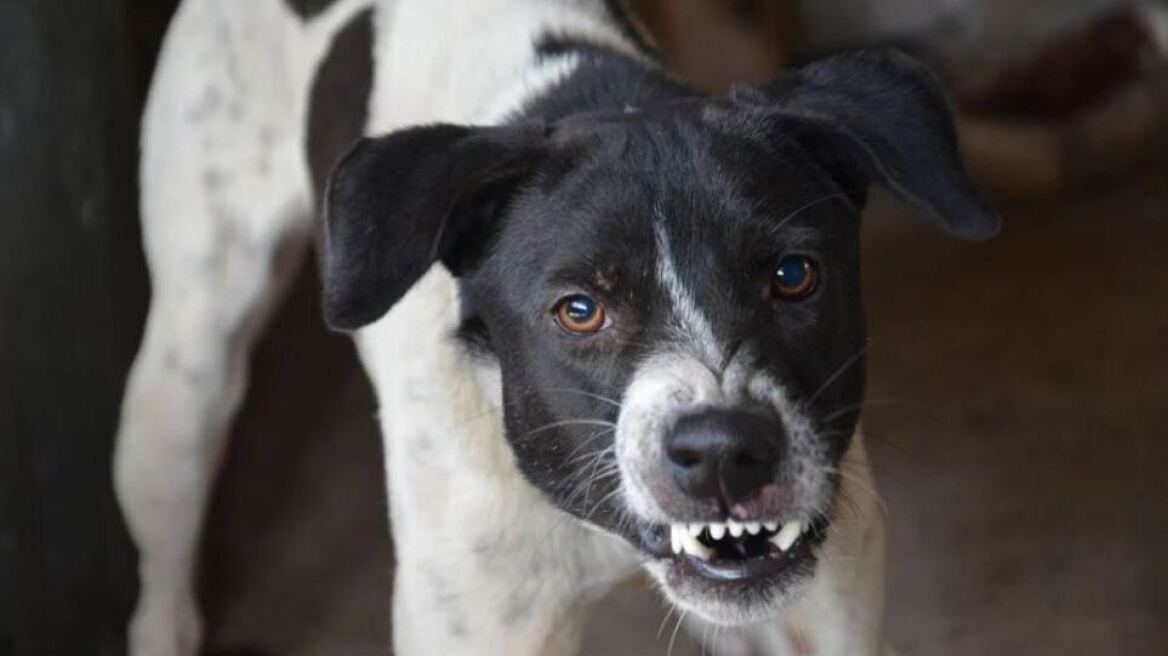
x,y
171,628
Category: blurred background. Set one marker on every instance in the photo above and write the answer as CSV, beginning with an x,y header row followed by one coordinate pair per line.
x,y
1019,388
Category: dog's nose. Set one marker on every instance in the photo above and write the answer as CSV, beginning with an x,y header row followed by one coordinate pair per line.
x,y
724,454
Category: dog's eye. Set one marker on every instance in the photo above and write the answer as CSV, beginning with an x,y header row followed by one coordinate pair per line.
x,y
795,277
579,314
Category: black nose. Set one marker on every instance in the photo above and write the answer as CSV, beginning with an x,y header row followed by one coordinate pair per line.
x,y
724,454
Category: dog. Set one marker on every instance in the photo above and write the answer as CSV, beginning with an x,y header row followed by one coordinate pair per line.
x,y
613,324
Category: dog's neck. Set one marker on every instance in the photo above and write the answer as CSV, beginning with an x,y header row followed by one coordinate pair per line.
x,y
511,62
597,79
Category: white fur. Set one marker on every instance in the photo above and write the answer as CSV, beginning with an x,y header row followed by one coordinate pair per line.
x,y
226,211
540,77
691,324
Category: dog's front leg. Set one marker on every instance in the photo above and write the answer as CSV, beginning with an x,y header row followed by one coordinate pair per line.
x,y
497,573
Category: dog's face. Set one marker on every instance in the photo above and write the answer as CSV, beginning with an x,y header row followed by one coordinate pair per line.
x,y
671,297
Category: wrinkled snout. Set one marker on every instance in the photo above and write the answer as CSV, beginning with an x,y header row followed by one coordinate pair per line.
x,y
724,456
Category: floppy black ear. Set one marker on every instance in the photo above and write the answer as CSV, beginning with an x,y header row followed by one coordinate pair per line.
x,y
397,204
882,115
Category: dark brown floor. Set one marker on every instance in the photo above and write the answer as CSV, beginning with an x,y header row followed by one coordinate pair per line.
x,y
1019,401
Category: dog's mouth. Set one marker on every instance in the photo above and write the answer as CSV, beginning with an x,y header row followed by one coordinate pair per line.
x,y
730,551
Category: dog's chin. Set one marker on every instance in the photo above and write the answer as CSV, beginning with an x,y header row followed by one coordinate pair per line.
x,y
734,581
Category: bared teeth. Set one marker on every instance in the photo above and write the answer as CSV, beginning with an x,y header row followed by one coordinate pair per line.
x,y
681,540
694,547
786,537
688,538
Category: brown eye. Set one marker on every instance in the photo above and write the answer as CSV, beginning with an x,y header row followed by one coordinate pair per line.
x,y
580,314
795,277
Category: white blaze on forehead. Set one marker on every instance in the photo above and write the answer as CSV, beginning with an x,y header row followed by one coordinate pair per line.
x,y
692,325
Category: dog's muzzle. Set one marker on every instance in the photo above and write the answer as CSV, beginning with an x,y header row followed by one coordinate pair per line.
x,y
728,482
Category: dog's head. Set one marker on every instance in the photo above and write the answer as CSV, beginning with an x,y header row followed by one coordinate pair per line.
x,y
672,297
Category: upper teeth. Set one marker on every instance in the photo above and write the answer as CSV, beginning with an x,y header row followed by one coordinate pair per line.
x,y
684,537
786,537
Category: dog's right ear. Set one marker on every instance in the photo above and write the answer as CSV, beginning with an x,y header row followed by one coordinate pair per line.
x,y
878,116
397,204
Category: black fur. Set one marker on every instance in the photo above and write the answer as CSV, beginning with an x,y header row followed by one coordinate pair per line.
x,y
629,25
396,205
565,200
309,8
338,106
881,116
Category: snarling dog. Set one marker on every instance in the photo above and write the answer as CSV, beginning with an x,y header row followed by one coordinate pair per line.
x,y
612,323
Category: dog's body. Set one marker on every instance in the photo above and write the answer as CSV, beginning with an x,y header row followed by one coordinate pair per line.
x,y
488,562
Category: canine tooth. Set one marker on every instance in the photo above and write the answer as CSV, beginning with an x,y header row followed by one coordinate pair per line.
x,y
675,533
753,528
735,528
771,526
806,527
786,537
717,531
696,529
695,548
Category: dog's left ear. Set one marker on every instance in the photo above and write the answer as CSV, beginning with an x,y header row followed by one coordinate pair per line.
x,y
879,116
395,205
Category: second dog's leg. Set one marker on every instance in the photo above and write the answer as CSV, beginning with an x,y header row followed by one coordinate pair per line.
x,y
226,215
184,389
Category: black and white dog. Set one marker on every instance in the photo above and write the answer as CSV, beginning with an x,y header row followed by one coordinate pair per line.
x,y
612,323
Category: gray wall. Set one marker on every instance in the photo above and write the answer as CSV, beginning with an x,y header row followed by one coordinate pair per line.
x,y
73,292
